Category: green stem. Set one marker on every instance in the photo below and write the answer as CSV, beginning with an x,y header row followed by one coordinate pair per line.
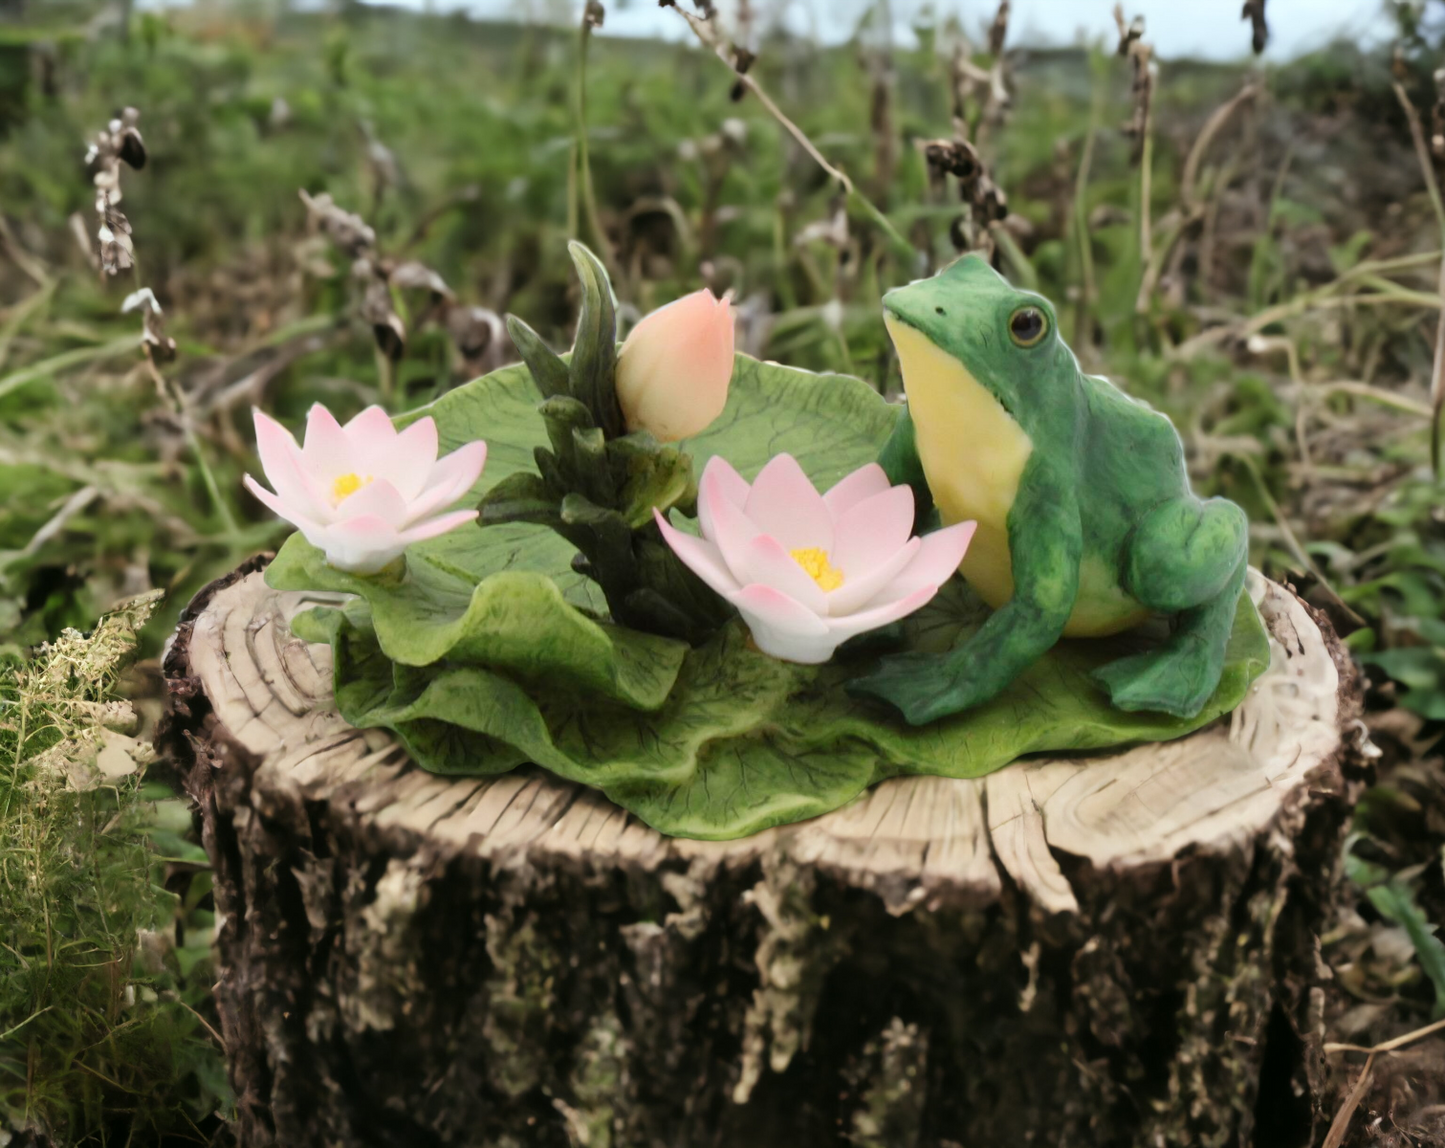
x,y
385,378
213,490
584,163
1081,230
177,399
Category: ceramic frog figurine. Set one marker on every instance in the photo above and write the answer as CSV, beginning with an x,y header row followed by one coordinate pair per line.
x,y
1086,522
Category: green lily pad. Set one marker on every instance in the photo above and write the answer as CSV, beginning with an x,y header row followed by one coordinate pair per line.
x,y
490,652
745,742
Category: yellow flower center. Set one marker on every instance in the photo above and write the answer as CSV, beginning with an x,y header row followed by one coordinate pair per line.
x,y
347,485
815,563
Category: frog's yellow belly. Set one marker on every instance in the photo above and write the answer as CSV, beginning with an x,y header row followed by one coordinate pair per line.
x,y
974,454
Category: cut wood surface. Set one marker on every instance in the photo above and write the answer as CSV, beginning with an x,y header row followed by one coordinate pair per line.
x,y
1135,929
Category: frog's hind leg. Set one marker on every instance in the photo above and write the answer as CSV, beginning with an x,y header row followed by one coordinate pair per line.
x,y
1187,558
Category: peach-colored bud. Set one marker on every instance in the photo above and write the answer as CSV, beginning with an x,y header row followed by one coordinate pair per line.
x,y
673,371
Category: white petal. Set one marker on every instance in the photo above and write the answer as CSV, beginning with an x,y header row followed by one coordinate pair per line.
x,y
286,511
937,562
784,503
698,555
726,527
783,628
377,499
880,615
720,482
869,533
859,591
281,460
409,459
863,483
766,562
370,432
450,478
361,545
435,527
326,453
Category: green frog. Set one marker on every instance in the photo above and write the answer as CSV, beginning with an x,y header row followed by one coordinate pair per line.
x,y
1087,525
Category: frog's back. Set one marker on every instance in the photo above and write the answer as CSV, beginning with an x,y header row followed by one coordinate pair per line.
x,y
1132,454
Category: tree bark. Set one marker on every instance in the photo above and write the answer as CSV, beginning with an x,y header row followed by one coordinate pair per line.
x,y
1111,950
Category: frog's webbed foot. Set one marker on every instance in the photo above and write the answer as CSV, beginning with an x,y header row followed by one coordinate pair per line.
x,y
922,687
1178,678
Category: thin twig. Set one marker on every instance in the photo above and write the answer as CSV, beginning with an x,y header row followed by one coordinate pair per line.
x,y
177,399
584,164
1390,1045
1341,1123
1212,127
217,1037
703,31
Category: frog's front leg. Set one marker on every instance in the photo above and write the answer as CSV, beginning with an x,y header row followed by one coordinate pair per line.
x,y
1187,558
1045,546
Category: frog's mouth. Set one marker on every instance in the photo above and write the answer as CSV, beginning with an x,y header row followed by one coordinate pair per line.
x,y
930,374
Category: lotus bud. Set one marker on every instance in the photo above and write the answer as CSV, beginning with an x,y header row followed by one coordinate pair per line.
x,y
673,371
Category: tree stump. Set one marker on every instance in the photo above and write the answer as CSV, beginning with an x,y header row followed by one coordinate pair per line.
x,y
1102,950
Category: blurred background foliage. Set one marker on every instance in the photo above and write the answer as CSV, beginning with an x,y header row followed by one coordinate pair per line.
x,y
1260,258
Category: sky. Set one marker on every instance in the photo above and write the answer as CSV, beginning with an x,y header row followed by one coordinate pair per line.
x,y
1210,29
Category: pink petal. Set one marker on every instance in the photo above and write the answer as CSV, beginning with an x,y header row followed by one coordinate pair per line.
x,y
872,531
370,433
784,503
450,478
870,619
361,545
719,482
434,527
726,527
326,453
782,627
286,511
857,592
407,461
863,483
281,461
936,563
699,556
377,499
769,564
674,369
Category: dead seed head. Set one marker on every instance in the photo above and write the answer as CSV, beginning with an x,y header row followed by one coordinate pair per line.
x,y
1130,33
998,31
159,347
413,275
593,14
119,143
957,158
1254,13
347,230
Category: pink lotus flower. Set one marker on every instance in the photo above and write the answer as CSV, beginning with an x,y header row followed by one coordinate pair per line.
x,y
673,371
808,571
363,492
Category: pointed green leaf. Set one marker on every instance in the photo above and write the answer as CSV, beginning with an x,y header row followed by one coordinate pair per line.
x,y
594,354
548,370
520,497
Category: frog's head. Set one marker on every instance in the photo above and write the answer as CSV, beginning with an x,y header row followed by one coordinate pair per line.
x,y
1004,339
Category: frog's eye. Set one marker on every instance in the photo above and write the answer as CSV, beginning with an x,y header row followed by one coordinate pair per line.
x,y
1027,326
